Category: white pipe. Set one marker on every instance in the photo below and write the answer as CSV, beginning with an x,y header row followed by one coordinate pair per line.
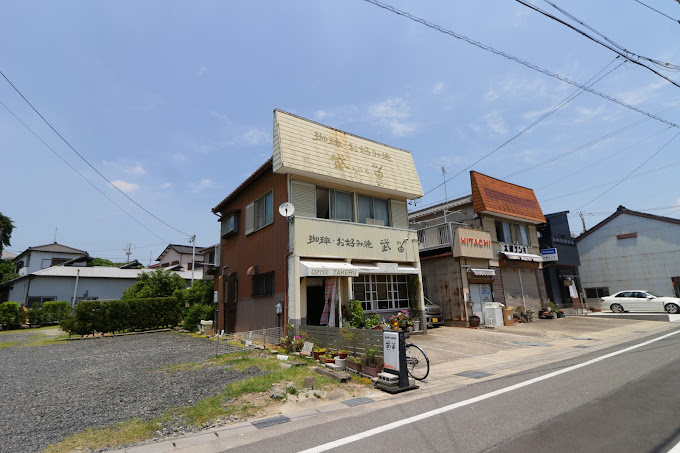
x,y
75,290
193,258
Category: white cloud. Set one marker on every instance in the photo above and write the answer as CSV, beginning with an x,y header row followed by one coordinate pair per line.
x,y
125,186
320,115
255,136
517,87
136,170
635,97
201,185
179,157
391,108
392,113
437,89
166,185
495,123
202,71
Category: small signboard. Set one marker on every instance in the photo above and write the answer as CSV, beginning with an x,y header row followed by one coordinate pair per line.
x,y
307,349
549,254
391,350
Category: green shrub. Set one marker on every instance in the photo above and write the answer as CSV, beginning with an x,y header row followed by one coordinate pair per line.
x,y
197,313
117,315
55,311
35,315
355,313
10,315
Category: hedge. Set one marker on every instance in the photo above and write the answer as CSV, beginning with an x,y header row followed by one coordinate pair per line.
x,y
54,311
91,316
196,314
10,315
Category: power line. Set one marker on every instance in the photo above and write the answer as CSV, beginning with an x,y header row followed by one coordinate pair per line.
x,y
561,104
674,20
629,174
517,60
80,174
631,56
86,161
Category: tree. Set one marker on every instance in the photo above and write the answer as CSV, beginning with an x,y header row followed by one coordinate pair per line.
x,y
160,283
7,271
200,293
6,227
103,262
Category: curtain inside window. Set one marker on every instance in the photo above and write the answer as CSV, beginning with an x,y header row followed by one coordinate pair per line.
x,y
381,210
343,206
365,208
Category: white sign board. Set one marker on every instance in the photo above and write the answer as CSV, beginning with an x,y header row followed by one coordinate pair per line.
x,y
549,254
391,350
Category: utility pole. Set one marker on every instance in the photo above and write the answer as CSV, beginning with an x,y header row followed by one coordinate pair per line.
x,y
193,258
55,234
446,196
580,214
128,252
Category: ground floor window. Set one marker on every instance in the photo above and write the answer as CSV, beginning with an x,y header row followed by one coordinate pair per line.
x,y
596,293
263,284
382,292
38,300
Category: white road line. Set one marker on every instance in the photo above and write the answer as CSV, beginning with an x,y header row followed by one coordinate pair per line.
x,y
675,449
450,407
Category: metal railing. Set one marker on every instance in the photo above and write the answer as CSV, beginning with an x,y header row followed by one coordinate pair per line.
x,y
434,236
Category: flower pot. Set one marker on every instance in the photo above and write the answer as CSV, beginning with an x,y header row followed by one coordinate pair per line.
x,y
560,315
416,325
475,321
327,359
371,370
342,355
318,354
356,366
340,362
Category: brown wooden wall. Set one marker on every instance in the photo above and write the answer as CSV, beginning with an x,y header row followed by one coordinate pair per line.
x,y
265,248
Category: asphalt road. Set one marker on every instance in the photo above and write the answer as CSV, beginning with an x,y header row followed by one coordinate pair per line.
x,y
625,403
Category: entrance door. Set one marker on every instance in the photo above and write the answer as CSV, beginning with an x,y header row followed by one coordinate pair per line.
x,y
476,299
315,300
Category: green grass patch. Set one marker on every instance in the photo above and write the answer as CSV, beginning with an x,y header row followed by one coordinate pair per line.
x,y
36,337
9,344
117,435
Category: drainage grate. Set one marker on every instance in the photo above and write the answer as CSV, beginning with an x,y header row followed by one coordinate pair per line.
x,y
529,343
271,421
357,401
474,374
582,346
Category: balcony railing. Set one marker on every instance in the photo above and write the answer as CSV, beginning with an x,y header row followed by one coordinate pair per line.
x,y
435,236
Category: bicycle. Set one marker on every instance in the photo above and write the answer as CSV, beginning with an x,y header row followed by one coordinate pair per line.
x,y
417,362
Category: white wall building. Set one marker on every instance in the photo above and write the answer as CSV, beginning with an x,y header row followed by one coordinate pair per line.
x,y
630,250
43,256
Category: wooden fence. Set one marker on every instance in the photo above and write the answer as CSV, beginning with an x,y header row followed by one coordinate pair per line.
x,y
354,340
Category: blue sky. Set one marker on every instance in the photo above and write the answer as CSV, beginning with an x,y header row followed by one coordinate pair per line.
x,y
173,102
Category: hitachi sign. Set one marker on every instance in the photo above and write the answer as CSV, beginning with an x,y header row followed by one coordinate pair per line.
x,y
475,242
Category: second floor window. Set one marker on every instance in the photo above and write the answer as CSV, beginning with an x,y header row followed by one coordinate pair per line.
x,y
506,232
334,204
264,210
373,210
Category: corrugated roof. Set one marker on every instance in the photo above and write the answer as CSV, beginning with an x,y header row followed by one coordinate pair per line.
x,y
104,272
623,210
496,196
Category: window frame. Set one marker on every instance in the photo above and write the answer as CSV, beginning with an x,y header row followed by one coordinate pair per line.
x,y
372,200
599,292
373,283
265,216
269,282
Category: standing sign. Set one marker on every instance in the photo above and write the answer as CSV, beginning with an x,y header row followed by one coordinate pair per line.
x,y
391,350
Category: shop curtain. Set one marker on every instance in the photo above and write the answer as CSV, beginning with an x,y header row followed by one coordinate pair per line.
x,y
328,315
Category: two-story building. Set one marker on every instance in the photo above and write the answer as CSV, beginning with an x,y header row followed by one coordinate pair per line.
x,y
181,256
560,269
481,248
322,222
43,256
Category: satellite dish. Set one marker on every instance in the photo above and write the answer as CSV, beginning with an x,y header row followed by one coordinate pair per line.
x,y
286,209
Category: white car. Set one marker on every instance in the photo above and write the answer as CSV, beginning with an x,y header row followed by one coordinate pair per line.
x,y
641,301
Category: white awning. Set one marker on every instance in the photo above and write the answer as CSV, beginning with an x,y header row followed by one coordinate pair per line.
x,y
327,269
523,257
483,272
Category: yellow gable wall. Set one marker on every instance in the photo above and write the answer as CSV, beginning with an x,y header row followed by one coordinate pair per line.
x,y
309,149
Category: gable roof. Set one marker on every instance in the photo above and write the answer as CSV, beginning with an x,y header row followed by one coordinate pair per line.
x,y
499,197
623,210
256,174
98,272
182,249
53,248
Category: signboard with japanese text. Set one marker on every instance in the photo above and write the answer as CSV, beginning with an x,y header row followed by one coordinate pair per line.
x,y
334,239
306,148
391,350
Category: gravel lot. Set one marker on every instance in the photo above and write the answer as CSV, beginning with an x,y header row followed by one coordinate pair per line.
x,y
49,392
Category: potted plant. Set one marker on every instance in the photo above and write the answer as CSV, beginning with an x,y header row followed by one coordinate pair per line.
x,y
372,362
343,353
401,321
327,358
373,321
353,363
317,352
560,313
